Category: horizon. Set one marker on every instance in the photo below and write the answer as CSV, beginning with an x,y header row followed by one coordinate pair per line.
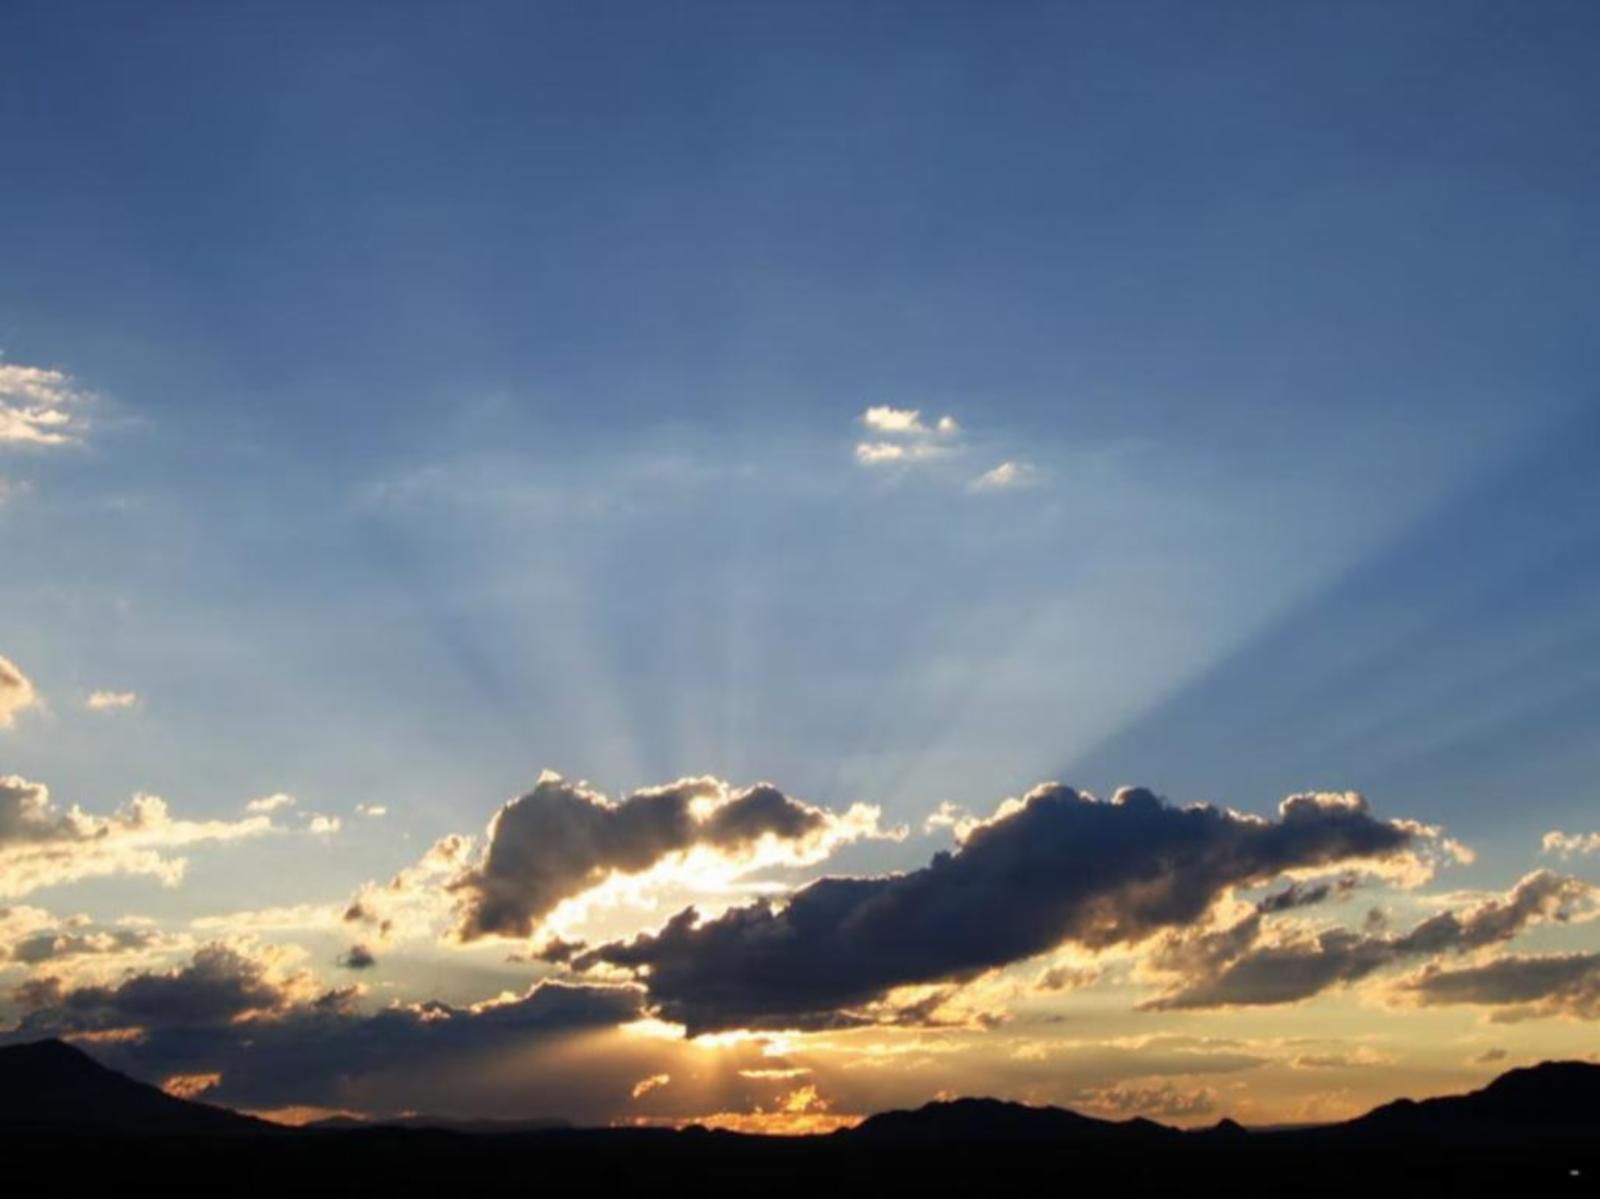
x,y
752,565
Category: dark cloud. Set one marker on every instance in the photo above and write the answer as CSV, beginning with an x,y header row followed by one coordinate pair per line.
x,y
1520,987
1300,895
60,945
303,1044
1059,867
561,839
1233,967
219,985
358,957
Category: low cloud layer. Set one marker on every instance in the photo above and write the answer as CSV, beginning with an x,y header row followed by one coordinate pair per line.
x,y
562,839
1248,964
43,846
1058,867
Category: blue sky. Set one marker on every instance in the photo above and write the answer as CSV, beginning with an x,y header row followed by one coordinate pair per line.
x,y
464,394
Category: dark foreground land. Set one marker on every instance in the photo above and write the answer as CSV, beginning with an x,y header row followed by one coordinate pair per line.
x,y
69,1126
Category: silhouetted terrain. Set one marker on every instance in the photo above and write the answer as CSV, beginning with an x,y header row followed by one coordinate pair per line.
x,y
1533,1128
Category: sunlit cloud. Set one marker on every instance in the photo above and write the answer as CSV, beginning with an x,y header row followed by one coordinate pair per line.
x,y
111,701
37,406
563,847
42,846
371,810
271,803
645,1085
1007,476
1263,960
16,692
902,436
907,422
1570,844
1513,987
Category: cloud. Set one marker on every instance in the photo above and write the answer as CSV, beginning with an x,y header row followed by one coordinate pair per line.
x,y
41,846
1245,965
1008,476
1059,866
221,984
16,692
1568,844
1161,1102
358,957
874,453
274,1037
62,944
271,803
36,406
319,825
372,810
1520,987
562,839
904,436
907,422
111,701
645,1085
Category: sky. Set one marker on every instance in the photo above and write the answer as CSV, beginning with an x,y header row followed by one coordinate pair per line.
x,y
757,563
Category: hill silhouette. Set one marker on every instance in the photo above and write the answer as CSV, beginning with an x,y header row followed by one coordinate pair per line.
x,y
53,1083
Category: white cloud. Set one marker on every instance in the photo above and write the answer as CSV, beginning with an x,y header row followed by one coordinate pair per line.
x,y
907,436
16,692
323,826
1006,476
373,810
111,701
1568,844
906,422
42,846
35,406
271,803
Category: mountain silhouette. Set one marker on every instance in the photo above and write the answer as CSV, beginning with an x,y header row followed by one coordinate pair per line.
x,y
53,1083
1536,1129
1553,1101
995,1120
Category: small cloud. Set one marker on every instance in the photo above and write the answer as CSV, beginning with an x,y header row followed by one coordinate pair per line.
x,y
271,803
1005,477
906,422
1568,844
16,692
906,437
358,957
323,826
111,701
373,810
36,406
875,452
645,1085
1490,1056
